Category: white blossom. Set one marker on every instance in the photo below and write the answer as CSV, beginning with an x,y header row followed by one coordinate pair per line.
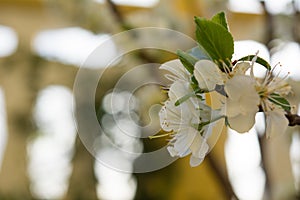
x,y
242,103
183,122
269,88
276,122
187,118
178,71
242,99
245,94
208,74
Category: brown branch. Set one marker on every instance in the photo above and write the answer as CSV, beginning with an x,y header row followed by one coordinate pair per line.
x,y
269,24
120,19
118,15
294,119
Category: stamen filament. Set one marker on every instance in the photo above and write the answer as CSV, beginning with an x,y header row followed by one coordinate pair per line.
x,y
159,136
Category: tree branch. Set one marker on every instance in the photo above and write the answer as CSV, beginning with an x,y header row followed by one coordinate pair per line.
x,y
120,19
294,119
118,15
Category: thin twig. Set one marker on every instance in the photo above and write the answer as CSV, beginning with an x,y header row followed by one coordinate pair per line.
x,y
114,8
120,19
269,22
118,15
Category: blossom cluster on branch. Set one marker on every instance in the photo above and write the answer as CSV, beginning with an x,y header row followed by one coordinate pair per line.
x,y
187,116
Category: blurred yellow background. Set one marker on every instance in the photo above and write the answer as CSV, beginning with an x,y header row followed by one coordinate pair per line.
x,y
43,43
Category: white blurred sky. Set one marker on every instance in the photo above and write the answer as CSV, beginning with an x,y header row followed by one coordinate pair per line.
x,y
74,45
8,41
254,6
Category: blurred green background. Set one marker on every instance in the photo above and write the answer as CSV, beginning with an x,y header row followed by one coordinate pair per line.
x,y
44,42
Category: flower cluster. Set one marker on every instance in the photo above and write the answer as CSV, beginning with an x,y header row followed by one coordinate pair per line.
x,y
187,116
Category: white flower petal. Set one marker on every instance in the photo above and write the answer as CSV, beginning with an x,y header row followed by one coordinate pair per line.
x,y
241,68
172,151
164,121
235,87
233,108
194,161
184,139
173,117
249,102
177,69
242,123
178,90
199,146
242,103
276,122
208,75
180,144
189,108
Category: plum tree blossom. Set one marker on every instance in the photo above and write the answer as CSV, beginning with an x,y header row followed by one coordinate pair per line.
x,y
272,89
208,74
187,117
177,69
242,103
186,138
183,122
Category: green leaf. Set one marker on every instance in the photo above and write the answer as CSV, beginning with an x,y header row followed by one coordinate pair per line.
x,y
280,101
220,18
183,99
259,60
199,53
215,39
187,60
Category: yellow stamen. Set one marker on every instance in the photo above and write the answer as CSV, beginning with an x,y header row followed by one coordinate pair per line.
x,y
160,136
